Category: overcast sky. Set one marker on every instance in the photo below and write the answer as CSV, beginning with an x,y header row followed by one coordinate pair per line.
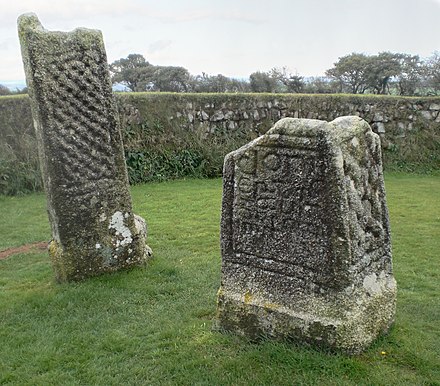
x,y
234,37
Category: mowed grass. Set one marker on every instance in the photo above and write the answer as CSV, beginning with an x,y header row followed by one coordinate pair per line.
x,y
153,325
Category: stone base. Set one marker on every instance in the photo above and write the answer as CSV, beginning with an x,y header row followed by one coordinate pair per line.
x,y
141,228
74,263
350,325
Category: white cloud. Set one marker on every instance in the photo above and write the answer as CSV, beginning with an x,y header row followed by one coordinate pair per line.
x,y
158,45
51,11
436,2
233,37
5,44
201,15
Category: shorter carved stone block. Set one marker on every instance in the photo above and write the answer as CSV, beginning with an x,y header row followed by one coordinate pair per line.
x,y
306,251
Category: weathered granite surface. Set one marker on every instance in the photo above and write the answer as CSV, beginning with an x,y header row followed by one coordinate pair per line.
x,y
81,155
305,238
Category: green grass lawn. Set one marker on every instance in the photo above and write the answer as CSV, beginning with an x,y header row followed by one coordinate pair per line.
x,y
153,325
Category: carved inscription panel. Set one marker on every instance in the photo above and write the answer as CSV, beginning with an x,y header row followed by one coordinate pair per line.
x,y
278,222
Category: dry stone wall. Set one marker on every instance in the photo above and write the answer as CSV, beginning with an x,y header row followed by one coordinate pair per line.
x,y
409,127
218,123
220,112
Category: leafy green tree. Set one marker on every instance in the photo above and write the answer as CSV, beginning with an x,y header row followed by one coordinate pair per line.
x,y
134,72
380,69
294,83
432,73
214,83
288,82
202,83
350,72
219,83
170,78
358,73
238,85
263,82
410,78
4,90
321,85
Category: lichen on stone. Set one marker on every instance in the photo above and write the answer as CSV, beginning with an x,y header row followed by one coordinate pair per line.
x,y
306,249
123,233
81,153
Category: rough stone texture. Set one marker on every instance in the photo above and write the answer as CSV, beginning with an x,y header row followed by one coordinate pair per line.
x,y
81,152
305,238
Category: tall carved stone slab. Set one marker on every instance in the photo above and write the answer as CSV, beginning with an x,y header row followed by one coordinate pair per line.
x,y
305,237
81,154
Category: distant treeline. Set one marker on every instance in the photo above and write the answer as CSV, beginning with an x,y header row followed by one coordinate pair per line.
x,y
384,73
6,91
